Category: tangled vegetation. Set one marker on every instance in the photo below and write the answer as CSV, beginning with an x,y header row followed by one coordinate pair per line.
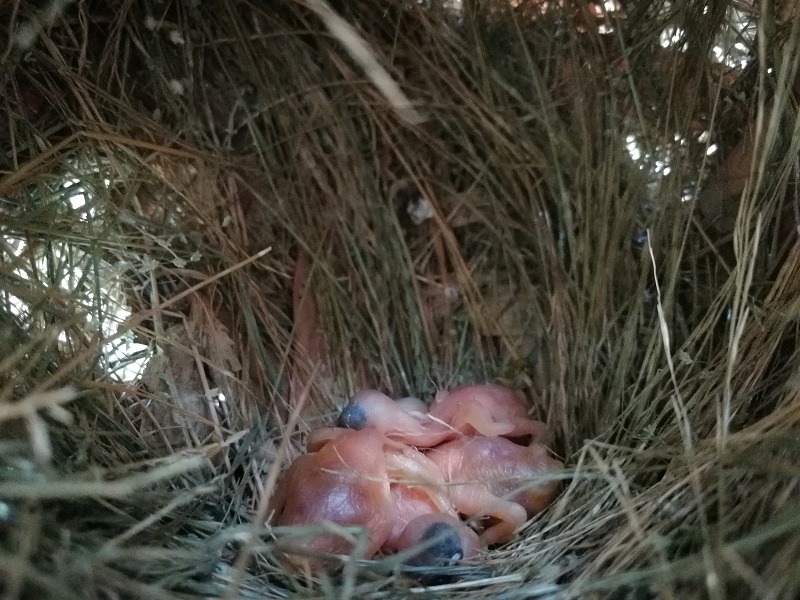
x,y
220,219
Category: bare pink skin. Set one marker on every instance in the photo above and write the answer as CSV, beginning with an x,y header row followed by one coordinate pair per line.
x,y
408,468
421,499
392,419
319,437
413,406
488,410
356,478
492,477
423,494
413,533
344,483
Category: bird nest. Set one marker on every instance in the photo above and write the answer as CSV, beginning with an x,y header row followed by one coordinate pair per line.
x,y
218,221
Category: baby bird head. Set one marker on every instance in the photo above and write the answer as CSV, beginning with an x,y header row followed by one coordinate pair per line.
x,y
442,546
368,408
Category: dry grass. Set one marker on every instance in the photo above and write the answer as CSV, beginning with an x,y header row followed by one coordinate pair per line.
x,y
219,145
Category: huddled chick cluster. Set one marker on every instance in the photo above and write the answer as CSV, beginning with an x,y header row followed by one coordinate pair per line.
x,y
408,475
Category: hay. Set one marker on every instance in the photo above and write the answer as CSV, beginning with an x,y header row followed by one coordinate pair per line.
x,y
531,196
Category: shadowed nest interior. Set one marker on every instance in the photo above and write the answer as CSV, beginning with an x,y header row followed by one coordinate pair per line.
x,y
220,219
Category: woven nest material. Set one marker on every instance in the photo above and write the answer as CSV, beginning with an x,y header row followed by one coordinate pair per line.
x,y
218,220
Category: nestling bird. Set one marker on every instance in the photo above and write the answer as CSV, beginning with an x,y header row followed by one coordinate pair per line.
x,y
442,540
373,409
494,477
345,482
406,475
488,410
361,478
